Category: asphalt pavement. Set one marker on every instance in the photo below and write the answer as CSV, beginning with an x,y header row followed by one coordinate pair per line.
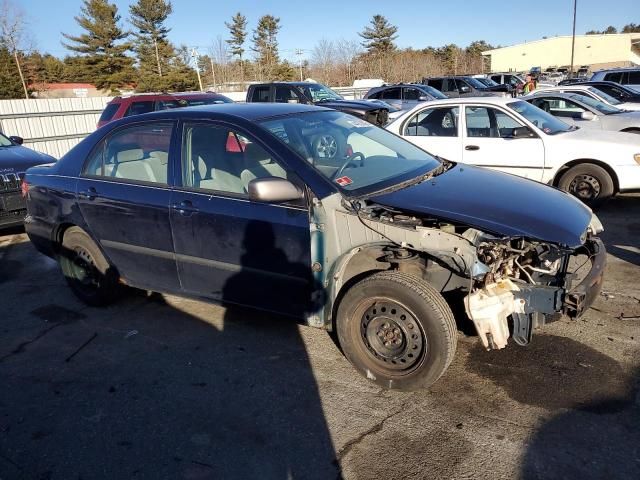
x,y
159,387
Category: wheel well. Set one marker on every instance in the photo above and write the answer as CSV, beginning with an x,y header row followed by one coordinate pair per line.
x,y
573,163
58,234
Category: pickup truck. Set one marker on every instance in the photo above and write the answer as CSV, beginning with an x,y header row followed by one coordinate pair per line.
x,y
309,93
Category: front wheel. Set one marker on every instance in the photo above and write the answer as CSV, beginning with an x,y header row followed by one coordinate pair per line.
x,y
397,330
590,183
88,273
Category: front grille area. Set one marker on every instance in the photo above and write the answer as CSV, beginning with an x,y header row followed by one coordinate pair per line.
x,y
11,182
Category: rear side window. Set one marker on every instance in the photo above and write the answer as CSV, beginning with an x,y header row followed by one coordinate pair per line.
x,y
434,122
436,83
614,77
260,94
138,108
391,94
109,111
634,77
139,153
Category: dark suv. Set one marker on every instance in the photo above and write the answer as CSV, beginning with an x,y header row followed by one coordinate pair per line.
x,y
461,86
405,96
137,104
14,161
309,93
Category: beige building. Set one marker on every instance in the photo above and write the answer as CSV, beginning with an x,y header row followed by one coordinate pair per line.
x,y
597,51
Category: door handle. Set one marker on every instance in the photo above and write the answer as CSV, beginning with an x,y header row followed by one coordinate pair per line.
x,y
185,208
89,194
472,148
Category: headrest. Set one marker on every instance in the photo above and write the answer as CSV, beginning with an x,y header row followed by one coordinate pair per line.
x,y
129,155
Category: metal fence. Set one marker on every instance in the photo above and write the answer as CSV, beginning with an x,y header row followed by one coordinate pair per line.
x,y
51,126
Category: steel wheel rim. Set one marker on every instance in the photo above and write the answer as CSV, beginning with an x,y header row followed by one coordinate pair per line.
x,y
391,336
327,147
585,187
84,270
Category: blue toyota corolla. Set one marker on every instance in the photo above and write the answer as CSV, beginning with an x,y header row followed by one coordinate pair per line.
x,y
368,235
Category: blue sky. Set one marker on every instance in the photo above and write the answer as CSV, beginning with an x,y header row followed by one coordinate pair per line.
x,y
420,24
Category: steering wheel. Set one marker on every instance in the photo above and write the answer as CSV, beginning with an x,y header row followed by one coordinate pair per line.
x,y
349,160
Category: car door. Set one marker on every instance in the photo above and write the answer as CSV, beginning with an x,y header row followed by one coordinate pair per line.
x,y
411,97
392,96
124,196
436,130
229,248
488,141
568,111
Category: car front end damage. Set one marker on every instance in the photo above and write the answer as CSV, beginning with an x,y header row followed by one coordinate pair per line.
x,y
510,285
530,283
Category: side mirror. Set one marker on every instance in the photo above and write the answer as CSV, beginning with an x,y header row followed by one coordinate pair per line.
x,y
422,98
17,140
587,115
522,132
464,89
273,190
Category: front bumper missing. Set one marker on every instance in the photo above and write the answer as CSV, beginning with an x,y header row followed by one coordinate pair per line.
x,y
579,298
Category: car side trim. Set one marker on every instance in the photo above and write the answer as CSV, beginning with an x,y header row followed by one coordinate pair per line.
x,y
513,166
230,267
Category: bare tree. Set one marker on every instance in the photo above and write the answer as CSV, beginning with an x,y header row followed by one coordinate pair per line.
x,y
12,34
219,55
347,51
322,57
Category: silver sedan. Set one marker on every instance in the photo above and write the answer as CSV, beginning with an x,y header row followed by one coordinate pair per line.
x,y
586,112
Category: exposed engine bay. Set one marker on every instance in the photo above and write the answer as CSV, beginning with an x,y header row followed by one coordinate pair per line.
x,y
511,285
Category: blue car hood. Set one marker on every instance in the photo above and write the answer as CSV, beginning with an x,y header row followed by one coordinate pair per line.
x,y
17,159
496,202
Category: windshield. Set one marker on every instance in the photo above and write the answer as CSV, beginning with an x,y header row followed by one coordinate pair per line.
x,y
351,153
435,93
319,92
605,96
474,82
488,82
597,104
5,142
541,119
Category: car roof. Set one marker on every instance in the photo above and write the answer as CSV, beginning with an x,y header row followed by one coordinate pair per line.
x,y
246,111
567,96
618,69
467,100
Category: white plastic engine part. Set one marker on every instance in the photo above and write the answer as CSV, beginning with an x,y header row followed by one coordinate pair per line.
x,y
489,308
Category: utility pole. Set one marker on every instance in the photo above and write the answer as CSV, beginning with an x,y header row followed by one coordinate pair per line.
x,y
573,38
299,53
196,57
213,73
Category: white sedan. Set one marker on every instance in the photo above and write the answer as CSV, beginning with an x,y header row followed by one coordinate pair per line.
x,y
590,91
516,137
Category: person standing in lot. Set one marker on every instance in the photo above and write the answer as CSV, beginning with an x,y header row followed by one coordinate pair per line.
x,y
529,85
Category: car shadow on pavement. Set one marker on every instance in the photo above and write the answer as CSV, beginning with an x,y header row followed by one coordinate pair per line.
x,y
621,219
598,440
156,387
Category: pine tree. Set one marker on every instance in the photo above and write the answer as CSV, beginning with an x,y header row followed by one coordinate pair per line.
x,y
10,84
380,36
238,31
265,45
151,46
102,46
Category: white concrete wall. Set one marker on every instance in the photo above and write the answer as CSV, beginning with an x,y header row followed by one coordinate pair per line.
x,y
556,51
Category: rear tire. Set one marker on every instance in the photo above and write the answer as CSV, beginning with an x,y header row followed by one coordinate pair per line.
x,y
397,330
86,270
589,183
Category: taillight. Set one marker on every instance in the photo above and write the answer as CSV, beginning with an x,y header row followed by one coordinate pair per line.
x,y
24,188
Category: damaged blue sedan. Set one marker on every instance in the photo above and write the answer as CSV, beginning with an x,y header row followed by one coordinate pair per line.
x,y
371,237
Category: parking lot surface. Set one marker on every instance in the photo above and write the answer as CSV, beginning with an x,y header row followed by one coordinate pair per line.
x,y
161,387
